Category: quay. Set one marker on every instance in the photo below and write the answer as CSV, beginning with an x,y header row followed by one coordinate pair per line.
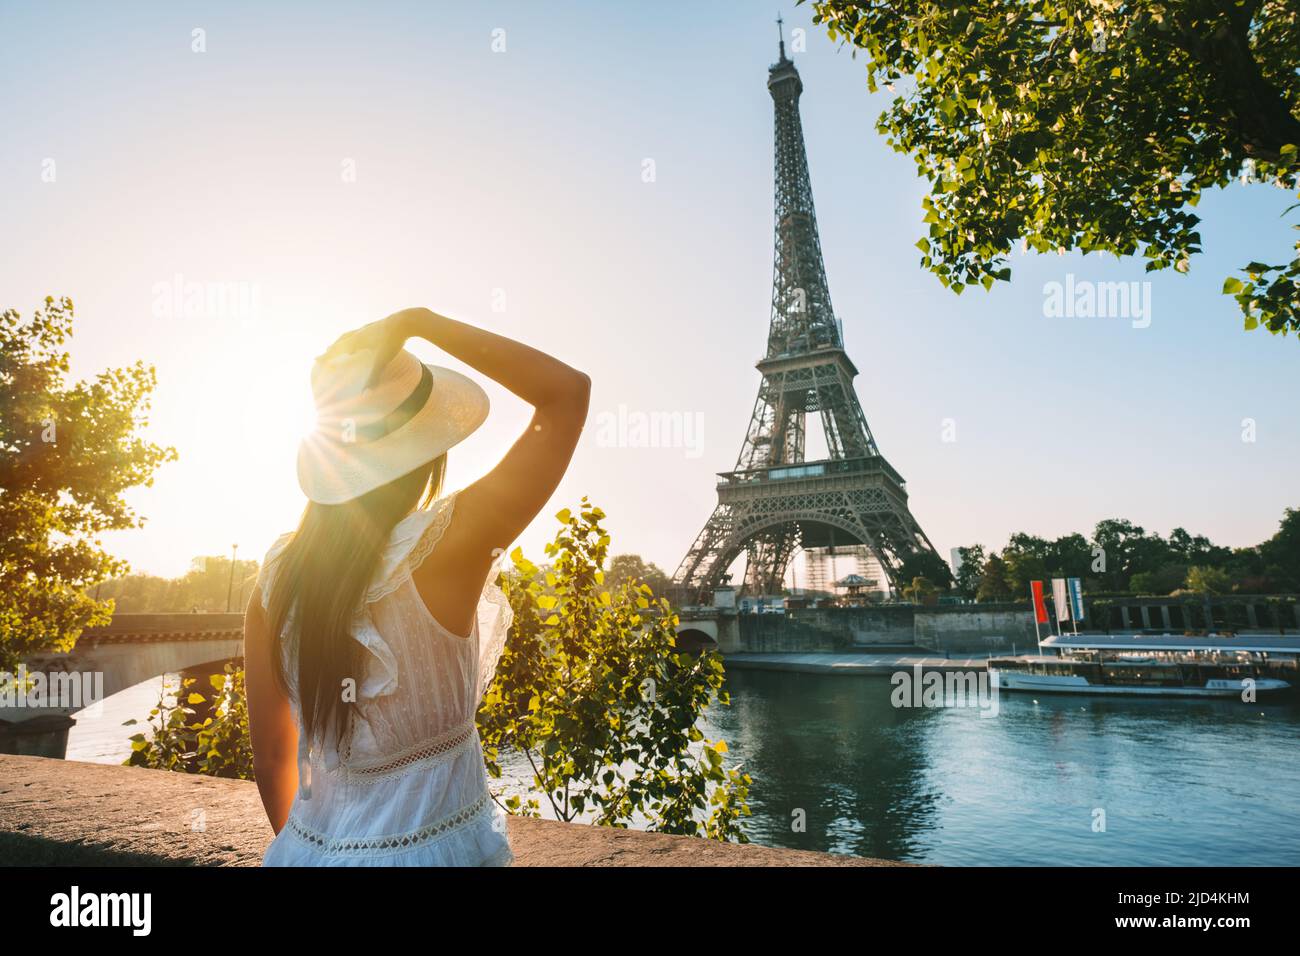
x,y
59,812
853,663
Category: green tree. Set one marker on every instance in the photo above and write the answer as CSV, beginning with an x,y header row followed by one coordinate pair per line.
x,y
1025,560
139,594
1071,124
1248,572
993,581
68,452
1164,581
970,570
920,589
203,588
928,565
1127,549
1280,554
1197,549
632,567
1208,581
1069,556
593,693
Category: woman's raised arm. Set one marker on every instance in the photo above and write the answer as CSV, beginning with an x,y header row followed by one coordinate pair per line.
x,y
492,511
497,507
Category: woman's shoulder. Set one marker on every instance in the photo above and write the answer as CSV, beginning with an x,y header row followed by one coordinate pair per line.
x,y
277,547
411,541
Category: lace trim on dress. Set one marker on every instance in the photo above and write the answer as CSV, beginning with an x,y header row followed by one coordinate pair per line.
x,y
421,756
414,538
394,842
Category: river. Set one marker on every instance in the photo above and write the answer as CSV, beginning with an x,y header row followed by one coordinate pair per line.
x,y
1087,781
1185,782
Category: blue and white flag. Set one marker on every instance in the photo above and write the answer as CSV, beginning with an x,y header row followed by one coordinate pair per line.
x,y
1075,587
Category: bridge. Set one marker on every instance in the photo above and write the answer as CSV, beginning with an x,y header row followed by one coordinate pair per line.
x,y
707,629
106,660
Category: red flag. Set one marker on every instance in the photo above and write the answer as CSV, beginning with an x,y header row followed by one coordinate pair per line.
x,y
1040,608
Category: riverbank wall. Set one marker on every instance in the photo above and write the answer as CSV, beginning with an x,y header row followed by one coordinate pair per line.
x,y
964,629
59,813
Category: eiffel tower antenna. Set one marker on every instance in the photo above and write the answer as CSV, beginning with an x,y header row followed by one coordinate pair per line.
x,y
775,500
780,32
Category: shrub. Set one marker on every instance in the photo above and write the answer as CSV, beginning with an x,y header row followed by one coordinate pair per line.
x,y
217,746
592,691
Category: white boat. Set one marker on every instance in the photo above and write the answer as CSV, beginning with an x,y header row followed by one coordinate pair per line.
x,y
1155,665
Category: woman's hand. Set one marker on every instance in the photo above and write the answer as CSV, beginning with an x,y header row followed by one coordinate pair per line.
x,y
384,338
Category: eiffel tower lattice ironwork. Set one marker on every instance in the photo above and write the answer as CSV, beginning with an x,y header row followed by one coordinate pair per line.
x,y
775,501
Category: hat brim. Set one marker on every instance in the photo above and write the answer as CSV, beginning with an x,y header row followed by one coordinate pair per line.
x,y
332,472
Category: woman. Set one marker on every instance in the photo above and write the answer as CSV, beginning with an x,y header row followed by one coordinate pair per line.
x,y
376,626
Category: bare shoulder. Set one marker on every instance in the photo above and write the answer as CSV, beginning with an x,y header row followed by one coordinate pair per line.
x,y
449,581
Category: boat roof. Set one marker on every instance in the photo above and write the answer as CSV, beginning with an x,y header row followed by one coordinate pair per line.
x,y
1256,643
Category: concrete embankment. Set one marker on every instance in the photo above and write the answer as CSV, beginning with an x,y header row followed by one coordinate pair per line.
x,y
852,663
58,812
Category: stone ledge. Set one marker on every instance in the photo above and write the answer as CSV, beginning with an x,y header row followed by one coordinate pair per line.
x,y
56,812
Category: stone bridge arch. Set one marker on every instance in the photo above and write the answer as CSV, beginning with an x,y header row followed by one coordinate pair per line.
x,y
107,660
696,636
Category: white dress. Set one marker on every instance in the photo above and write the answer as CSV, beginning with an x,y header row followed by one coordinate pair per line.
x,y
409,787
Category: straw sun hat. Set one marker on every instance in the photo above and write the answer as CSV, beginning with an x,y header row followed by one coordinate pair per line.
x,y
366,437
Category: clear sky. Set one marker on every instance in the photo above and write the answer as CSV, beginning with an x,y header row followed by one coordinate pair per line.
x,y
340,161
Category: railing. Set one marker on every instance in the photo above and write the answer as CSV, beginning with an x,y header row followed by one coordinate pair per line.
x,y
817,469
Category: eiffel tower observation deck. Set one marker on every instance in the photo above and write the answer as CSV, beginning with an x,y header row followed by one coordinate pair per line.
x,y
775,501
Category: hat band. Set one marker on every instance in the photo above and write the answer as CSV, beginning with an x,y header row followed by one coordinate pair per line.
x,y
400,415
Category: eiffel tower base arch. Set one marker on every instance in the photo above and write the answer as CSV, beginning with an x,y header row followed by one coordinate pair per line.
x,y
833,502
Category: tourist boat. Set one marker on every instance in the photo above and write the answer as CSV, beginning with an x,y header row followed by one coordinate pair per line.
x,y
1154,665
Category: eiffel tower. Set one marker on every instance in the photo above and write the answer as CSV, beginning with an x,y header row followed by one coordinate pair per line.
x,y
775,501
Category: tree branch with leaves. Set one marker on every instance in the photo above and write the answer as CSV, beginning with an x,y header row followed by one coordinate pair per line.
x,y
68,453
1089,125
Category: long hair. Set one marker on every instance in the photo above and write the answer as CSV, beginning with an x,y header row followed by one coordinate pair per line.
x,y
320,580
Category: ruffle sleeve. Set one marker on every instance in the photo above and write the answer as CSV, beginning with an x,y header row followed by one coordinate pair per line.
x,y
411,541
494,619
381,667
266,574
